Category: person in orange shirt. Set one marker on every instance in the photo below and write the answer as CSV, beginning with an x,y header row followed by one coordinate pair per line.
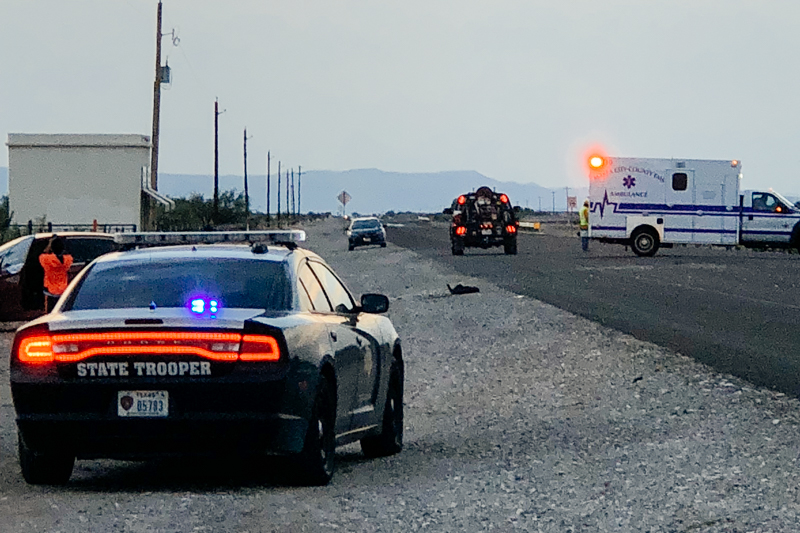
x,y
56,266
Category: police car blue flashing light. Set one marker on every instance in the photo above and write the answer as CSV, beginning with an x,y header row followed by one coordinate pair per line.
x,y
200,305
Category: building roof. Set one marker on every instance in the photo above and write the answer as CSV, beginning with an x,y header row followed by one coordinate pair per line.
x,y
70,140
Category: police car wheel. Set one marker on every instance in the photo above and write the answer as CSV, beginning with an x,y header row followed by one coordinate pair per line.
x,y
44,468
390,439
316,461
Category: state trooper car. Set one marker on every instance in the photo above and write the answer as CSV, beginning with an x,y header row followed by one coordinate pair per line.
x,y
207,349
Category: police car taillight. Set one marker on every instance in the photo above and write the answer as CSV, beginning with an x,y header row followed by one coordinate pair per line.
x,y
40,347
36,349
259,348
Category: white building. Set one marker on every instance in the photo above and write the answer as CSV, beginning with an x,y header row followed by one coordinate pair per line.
x,y
76,179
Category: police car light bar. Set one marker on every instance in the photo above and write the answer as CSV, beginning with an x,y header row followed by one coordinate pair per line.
x,y
156,238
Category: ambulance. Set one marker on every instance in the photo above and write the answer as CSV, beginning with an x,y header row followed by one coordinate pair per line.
x,y
648,203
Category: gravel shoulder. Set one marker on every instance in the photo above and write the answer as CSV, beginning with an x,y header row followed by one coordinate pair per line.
x,y
518,416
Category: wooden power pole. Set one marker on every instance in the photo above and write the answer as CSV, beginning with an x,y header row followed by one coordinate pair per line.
x,y
246,193
216,160
268,165
299,173
279,193
151,205
294,211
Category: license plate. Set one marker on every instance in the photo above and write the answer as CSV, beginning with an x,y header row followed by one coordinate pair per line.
x,y
142,403
486,232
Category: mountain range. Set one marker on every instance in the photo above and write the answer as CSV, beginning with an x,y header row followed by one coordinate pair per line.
x,y
370,190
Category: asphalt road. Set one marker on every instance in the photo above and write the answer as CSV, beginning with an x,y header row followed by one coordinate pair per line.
x,y
736,310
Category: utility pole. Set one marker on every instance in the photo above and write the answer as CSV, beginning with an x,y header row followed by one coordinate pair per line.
x,y
540,204
299,173
294,211
151,205
554,202
246,193
279,193
269,222
216,159
287,195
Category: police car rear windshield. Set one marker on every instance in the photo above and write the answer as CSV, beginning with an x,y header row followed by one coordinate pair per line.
x,y
366,224
235,283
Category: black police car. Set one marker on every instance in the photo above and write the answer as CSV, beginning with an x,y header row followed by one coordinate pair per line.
x,y
483,219
365,231
198,349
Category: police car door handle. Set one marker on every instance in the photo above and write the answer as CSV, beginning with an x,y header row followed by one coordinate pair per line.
x,y
333,336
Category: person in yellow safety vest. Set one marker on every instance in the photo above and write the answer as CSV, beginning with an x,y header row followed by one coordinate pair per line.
x,y
585,226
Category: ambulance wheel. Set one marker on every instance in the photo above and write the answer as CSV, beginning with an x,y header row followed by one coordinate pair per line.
x,y
644,242
44,468
316,461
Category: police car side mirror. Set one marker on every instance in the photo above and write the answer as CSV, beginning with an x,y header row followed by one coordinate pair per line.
x,y
374,303
447,211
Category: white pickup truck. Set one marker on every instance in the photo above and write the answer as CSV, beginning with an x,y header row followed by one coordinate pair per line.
x,y
649,203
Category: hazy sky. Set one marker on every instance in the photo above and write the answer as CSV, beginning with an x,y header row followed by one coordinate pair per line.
x,y
517,90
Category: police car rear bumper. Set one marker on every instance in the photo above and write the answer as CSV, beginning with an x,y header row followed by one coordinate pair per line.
x,y
202,419
217,434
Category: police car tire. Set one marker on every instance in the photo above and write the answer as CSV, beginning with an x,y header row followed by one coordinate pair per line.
x,y
44,468
643,237
390,440
317,459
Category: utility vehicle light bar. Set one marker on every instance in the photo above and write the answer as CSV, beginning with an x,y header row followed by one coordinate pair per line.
x,y
155,238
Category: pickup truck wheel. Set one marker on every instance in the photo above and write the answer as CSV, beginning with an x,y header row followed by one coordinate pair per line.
x,y
316,461
44,468
644,242
390,440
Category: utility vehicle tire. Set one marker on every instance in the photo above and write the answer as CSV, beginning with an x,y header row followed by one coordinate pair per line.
x,y
644,242
390,440
457,247
510,247
383,245
317,459
44,468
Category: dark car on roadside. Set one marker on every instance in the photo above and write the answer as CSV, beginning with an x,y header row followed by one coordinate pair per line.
x,y
201,350
22,277
483,219
365,231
